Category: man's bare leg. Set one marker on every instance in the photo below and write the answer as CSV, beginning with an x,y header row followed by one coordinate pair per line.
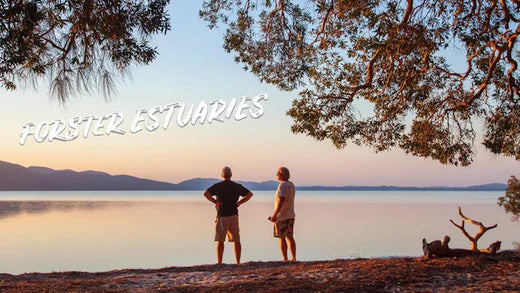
x,y
283,248
238,251
292,247
220,251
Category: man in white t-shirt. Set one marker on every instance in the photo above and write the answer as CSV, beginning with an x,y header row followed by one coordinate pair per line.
x,y
283,215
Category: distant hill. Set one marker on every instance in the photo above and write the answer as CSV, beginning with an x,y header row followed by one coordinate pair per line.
x,y
16,177
203,183
491,186
196,183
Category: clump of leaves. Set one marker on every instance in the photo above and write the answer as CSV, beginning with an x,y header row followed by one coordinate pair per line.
x,y
78,45
390,54
511,200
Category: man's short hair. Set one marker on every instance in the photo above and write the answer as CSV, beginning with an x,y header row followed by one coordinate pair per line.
x,y
226,173
285,172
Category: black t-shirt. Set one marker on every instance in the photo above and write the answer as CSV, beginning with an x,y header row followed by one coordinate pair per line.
x,y
227,193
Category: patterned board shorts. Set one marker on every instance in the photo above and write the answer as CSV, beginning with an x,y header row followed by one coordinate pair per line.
x,y
283,228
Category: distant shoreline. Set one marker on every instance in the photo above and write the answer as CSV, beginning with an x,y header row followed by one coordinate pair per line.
x,y
19,178
302,188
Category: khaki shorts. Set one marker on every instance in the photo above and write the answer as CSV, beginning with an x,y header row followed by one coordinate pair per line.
x,y
283,228
227,226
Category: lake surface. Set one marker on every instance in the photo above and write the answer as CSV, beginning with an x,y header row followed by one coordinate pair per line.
x,y
105,230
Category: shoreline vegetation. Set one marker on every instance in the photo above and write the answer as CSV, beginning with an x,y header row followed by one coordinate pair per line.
x,y
486,273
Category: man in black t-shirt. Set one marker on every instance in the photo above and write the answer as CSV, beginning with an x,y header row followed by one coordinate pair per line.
x,y
227,194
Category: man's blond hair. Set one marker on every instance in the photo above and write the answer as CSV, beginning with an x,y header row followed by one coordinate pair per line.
x,y
285,172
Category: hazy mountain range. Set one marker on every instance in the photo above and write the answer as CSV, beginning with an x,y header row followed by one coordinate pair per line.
x,y
16,177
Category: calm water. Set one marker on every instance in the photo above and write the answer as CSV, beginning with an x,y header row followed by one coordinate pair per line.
x,y
99,231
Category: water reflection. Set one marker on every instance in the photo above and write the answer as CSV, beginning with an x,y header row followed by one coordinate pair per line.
x,y
46,236
15,208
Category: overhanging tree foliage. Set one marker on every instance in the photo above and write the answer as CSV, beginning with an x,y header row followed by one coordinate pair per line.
x,y
511,200
78,45
391,54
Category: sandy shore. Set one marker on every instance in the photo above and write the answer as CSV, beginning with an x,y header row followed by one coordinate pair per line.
x,y
464,274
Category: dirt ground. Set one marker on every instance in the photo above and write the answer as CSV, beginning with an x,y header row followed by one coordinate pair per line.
x,y
486,273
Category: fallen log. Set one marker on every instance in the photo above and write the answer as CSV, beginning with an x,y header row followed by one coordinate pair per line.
x,y
440,248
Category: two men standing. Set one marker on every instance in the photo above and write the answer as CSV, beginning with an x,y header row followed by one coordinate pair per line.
x,y
227,202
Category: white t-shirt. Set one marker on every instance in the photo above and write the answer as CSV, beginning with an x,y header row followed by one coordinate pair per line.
x,y
286,190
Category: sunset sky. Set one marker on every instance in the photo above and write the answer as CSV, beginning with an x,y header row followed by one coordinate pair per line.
x,y
193,67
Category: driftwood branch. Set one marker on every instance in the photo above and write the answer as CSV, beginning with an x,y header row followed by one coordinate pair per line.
x,y
474,239
440,248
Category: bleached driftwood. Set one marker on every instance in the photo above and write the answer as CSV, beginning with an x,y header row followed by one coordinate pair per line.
x,y
474,239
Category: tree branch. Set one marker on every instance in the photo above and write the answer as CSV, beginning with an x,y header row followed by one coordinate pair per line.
x,y
54,45
407,13
512,86
483,229
471,221
493,63
369,75
461,227
324,21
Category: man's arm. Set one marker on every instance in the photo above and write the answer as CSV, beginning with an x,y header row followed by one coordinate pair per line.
x,y
207,194
245,198
278,208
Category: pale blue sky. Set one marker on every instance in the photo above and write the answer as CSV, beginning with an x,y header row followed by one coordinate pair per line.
x,y
192,66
